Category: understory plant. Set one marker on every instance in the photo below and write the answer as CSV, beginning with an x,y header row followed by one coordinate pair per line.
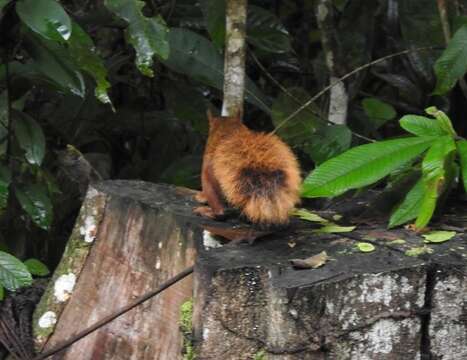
x,y
435,154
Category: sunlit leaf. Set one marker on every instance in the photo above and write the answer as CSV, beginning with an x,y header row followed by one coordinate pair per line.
x,y
417,251
308,215
37,267
13,273
45,17
330,228
147,35
365,247
362,165
428,205
438,236
452,65
30,137
442,119
433,162
421,126
35,201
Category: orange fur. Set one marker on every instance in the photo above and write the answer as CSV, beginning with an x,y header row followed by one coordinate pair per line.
x,y
256,173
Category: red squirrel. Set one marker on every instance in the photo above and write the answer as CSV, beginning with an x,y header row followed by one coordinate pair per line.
x,y
256,173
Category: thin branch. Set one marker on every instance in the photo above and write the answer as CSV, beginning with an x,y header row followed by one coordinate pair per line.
x,y
67,343
360,68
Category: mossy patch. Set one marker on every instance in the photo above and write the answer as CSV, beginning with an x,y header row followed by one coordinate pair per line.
x,y
186,315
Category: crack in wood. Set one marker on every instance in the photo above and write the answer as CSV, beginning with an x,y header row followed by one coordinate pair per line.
x,y
425,343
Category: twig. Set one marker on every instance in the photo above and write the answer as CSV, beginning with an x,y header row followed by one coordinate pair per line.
x,y
65,344
360,68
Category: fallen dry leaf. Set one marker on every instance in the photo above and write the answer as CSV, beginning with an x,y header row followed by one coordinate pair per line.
x,y
313,262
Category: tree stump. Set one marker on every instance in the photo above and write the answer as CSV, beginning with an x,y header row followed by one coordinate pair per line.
x,y
249,300
129,237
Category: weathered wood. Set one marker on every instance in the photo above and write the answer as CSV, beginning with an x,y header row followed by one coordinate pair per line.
x,y
129,237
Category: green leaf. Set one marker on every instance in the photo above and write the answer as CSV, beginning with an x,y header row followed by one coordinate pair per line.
x,y
84,55
328,142
30,137
438,236
52,60
421,126
35,200
2,292
308,215
452,65
365,247
416,251
5,180
378,111
409,208
427,208
334,228
13,273
462,150
214,17
298,130
362,165
265,31
193,55
443,120
147,35
433,162
46,18
37,267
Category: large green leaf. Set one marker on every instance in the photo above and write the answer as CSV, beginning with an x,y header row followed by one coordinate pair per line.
x,y
52,60
147,35
5,180
378,111
214,17
409,208
45,17
193,55
83,53
13,273
265,31
428,205
328,142
421,126
30,137
462,151
34,199
442,119
434,160
362,165
452,65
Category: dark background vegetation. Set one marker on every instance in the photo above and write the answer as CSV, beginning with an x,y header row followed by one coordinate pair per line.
x,y
149,121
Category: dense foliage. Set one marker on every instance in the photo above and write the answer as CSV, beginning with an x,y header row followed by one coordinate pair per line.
x,y
127,83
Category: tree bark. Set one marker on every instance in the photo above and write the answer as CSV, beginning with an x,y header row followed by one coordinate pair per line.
x,y
234,59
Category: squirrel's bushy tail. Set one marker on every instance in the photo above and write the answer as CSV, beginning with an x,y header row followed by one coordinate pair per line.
x,y
267,196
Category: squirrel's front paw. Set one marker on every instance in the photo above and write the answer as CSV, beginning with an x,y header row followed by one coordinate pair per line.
x,y
201,198
205,211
